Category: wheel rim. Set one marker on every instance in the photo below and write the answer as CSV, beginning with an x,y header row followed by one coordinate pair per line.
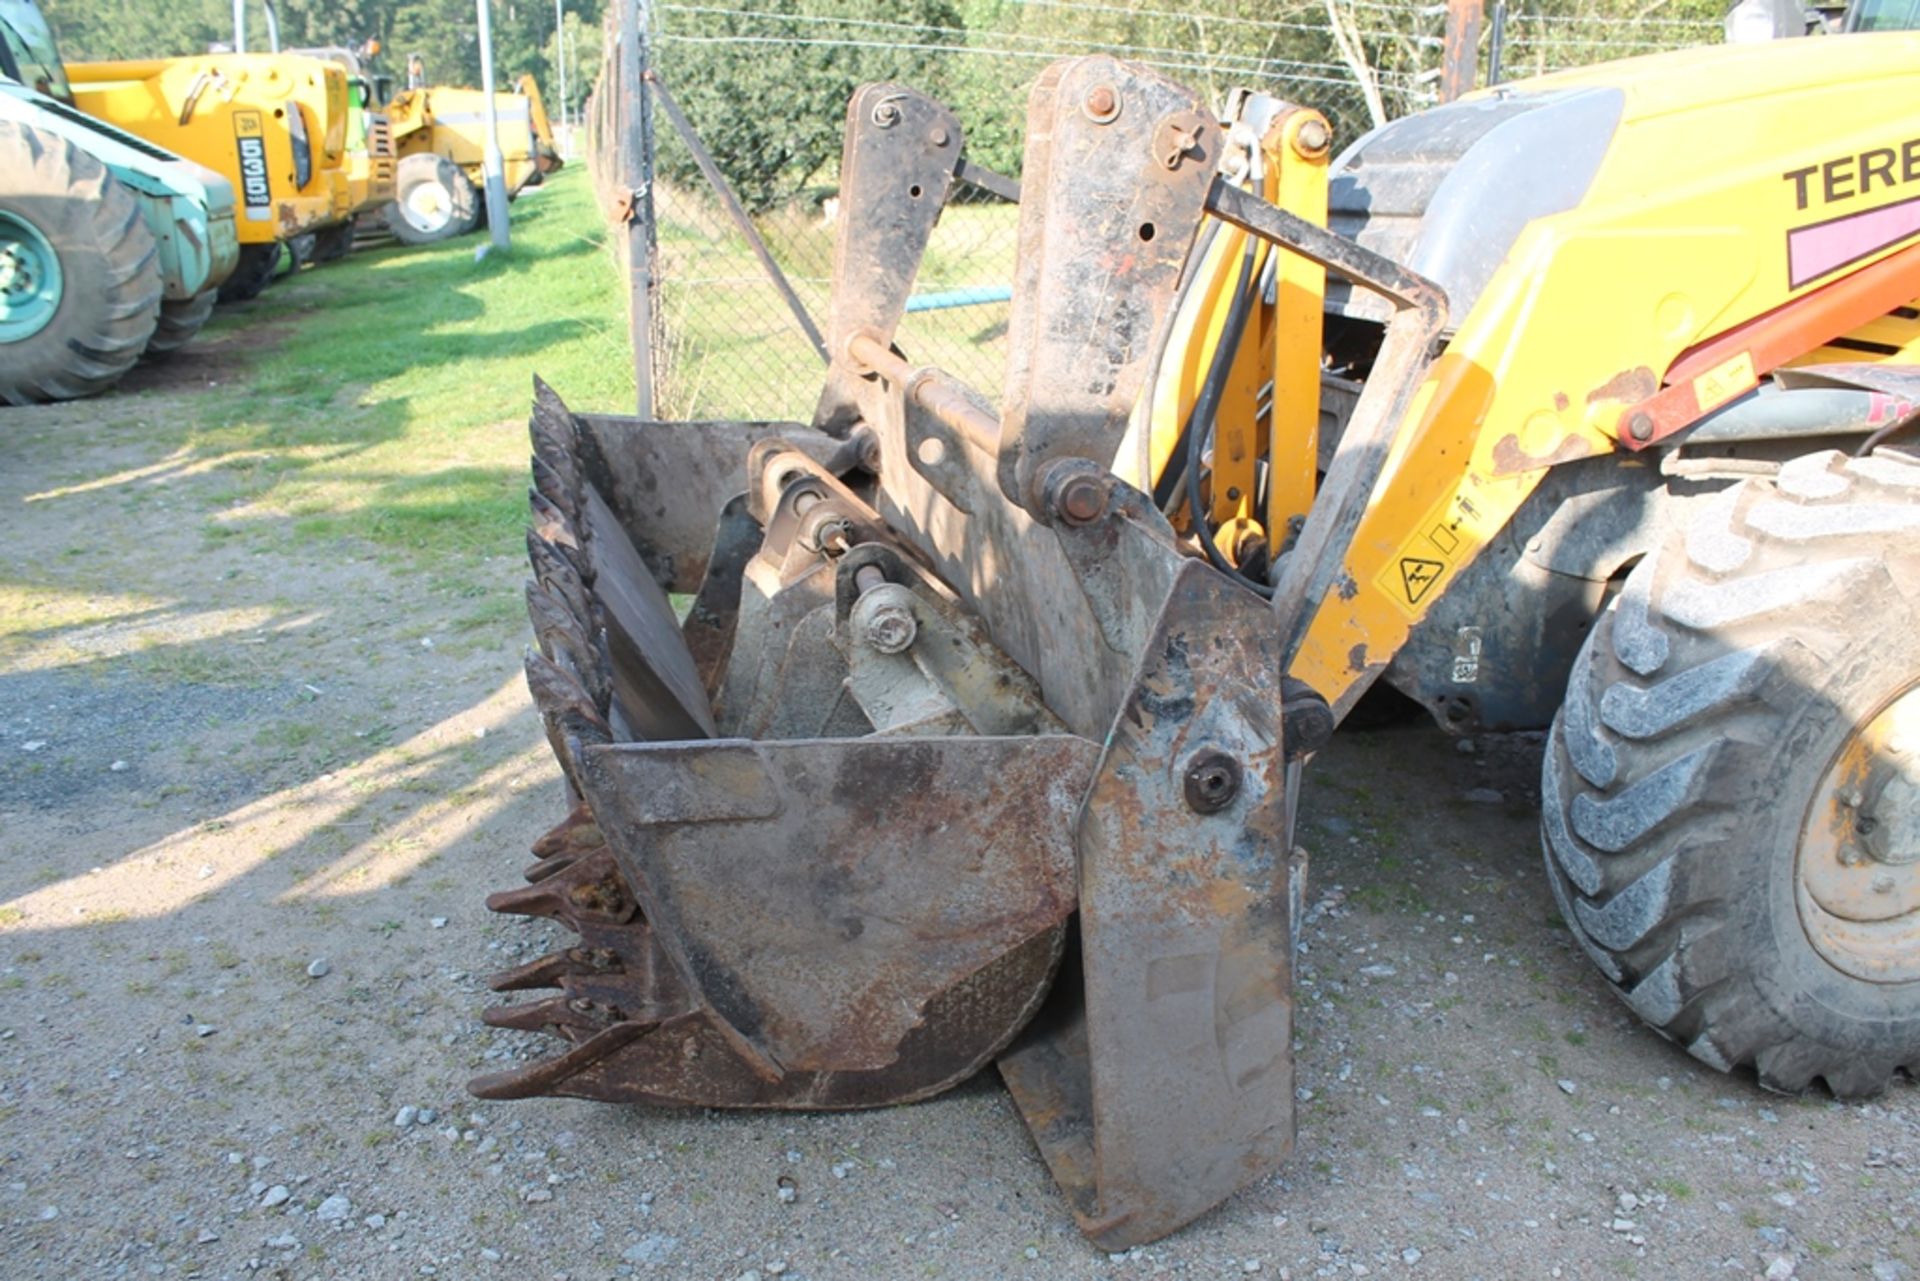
x,y
1859,858
428,206
30,280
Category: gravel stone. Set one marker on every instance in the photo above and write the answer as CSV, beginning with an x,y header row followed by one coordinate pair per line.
x,y
318,968
276,1195
335,1209
655,1247
406,1116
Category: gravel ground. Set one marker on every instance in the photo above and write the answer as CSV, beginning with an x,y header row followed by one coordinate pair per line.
x,y
253,790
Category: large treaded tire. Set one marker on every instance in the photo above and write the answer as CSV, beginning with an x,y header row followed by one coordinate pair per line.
x,y
253,273
180,321
1703,714
109,263
455,205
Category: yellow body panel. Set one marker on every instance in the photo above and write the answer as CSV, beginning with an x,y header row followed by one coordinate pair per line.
x,y
452,123
231,113
1683,233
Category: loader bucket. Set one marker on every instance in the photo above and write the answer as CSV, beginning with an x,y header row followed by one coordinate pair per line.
x,y
956,755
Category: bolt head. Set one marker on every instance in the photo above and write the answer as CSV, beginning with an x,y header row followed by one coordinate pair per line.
x,y
1313,139
1082,499
891,629
1213,780
1102,104
1640,426
939,136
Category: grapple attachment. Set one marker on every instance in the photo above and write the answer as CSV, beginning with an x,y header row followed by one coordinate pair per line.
x,y
958,753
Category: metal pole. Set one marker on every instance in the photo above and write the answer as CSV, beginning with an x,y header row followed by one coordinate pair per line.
x,y
239,26
1460,53
560,60
1497,44
493,164
636,138
273,26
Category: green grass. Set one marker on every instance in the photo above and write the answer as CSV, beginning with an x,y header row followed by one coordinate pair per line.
x,y
383,398
733,349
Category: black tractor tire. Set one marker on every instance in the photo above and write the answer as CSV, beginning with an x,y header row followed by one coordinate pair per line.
x,y
180,320
109,266
331,244
433,200
1697,807
252,273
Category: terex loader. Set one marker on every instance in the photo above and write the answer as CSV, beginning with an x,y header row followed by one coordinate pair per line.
x,y
1582,401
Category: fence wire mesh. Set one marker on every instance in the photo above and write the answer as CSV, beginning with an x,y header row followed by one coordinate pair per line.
x,y
725,343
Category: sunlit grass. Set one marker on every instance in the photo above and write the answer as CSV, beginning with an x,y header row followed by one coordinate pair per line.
x,y
386,399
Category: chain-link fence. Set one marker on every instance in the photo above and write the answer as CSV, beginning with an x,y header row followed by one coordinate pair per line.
x,y
726,343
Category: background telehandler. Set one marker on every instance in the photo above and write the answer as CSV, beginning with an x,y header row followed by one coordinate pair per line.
x,y
439,134
110,248
273,124
1584,401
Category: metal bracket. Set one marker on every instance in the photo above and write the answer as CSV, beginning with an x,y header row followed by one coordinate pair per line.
x,y
1185,995
1105,224
896,169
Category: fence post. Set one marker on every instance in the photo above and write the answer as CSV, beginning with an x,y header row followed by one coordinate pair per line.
x,y
1460,55
636,149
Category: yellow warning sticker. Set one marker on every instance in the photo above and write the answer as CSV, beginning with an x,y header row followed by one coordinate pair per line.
x,y
1724,381
1443,538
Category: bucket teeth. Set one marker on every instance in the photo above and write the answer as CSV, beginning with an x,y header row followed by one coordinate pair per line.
x,y
550,522
575,834
556,440
572,1017
545,972
587,893
564,702
550,482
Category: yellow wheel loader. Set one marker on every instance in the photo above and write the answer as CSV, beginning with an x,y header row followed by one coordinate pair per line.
x,y
439,135
978,732
370,160
274,125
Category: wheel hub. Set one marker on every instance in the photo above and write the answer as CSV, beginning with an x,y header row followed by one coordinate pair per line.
x,y
30,279
428,207
1859,859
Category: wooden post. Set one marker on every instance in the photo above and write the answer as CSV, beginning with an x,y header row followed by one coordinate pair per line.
x,y
1460,55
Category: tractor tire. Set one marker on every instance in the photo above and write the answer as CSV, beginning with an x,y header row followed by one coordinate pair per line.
x,y
179,322
331,244
1731,793
252,273
79,272
433,201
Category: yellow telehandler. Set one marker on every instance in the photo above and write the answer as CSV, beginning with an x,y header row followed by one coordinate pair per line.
x,y
439,134
274,125
1582,401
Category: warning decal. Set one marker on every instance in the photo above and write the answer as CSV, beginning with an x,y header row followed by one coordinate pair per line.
x,y
1417,576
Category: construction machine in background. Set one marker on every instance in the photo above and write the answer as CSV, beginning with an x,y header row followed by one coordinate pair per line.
x,y
439,134
274,125
369,149
1582,402
110,248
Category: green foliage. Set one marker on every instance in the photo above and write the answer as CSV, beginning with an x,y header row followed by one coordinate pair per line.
x,y
769,97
